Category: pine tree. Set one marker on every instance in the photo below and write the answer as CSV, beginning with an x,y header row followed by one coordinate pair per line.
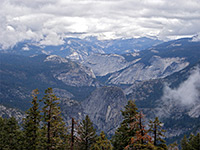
x,y
124,133
102,143
193,143
32,124
53,126
87,134
173,146
184,143
141,140
2,132
12,135
155,127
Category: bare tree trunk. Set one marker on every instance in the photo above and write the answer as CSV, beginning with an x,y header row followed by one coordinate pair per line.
x,y
72,135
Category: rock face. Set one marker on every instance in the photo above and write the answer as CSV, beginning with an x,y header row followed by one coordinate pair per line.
x,y
174,99
103,106
71,73
71,108
21,74
6,112
158,68
102,64
152,77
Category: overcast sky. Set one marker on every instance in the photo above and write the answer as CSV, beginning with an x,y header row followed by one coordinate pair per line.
x,y
49,21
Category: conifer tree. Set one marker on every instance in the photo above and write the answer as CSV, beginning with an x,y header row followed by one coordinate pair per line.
x,y
184,143
155,127
173,146
2,132
193,143
12,135
124,133
53,126
102,143
141,140
87,134
32,124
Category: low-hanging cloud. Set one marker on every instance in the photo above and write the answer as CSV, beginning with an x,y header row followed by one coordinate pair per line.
x,y
188,93
49,21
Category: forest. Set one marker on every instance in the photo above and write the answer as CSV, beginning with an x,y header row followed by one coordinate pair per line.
x,y
44,128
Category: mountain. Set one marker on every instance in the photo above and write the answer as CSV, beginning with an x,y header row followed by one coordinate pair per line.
x,y
7,112
21,74
163,80
174,99
103,64
103,106
156,62
77,87
80,49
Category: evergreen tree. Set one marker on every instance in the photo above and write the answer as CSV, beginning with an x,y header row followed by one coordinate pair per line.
x,y
141,140
2,132
125,132
87,134
173,146
11,134
32,124
193,143
53,126
102,143
155,127
184,143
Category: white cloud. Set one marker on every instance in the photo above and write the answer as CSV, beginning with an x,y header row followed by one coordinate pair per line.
x,y
103,18
187,93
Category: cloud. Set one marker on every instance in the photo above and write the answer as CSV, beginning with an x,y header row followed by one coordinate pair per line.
x,y
39,19
187,93
196,38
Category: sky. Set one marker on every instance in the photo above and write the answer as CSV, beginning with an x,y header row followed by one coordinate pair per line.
x,y
49,21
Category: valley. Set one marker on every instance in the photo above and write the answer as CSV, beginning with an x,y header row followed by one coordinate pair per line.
x,y
97,78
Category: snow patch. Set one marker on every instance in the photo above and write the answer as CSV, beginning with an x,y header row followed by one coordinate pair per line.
x,y
55,58
175,44
135,54
26,48
154,51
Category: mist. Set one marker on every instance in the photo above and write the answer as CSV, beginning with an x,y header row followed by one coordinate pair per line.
x,y
187,93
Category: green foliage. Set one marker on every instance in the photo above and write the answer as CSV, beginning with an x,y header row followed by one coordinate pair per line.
x,y
87,134
53,125
141,139
31,124
102,143
124,133
155,127
11,135
192,143
173,146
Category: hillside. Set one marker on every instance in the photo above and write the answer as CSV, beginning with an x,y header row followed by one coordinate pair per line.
x,y
163,80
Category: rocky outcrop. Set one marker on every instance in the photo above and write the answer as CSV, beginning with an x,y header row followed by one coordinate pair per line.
x,y
103,106
7,112
157,68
